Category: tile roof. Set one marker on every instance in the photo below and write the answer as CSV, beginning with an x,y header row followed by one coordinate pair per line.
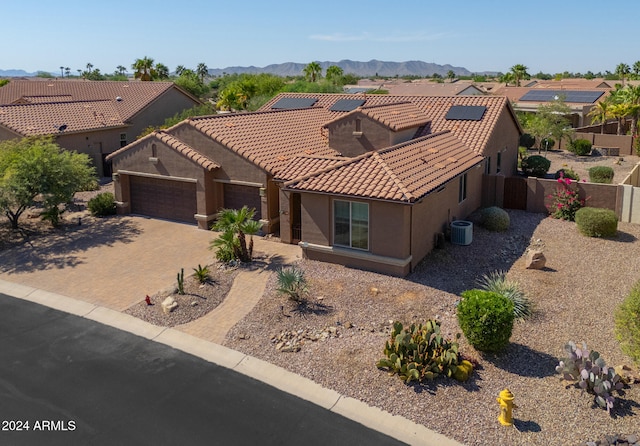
x,y
398,116
269,139
47,118
135,95
173,143
404,173
303,165
475,134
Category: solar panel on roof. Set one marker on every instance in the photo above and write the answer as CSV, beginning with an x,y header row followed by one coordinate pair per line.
x,y
346,105
294,103
578,96
466,112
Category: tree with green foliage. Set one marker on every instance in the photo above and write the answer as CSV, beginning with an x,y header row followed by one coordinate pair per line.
x,y
519,72
190,82
202,71
3,82
451,75
313,71
334,74
144,69
38,171
636,69
121,70
236,225
199,110
622,71
550,120
180,69
162,71
506,78
599,114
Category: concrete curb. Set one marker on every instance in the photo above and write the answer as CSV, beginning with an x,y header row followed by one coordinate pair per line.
x,y
371,417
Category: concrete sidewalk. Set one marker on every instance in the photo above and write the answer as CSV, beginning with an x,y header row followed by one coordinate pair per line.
x,y
371,417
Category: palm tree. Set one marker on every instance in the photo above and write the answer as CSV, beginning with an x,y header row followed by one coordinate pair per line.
x,y
202,71
67,71
144,69
636,69
507,78
162,71
599,113
334,74
121,70
180,69
451,75
312,71
240,223
519,72
630,95
622,70
62,71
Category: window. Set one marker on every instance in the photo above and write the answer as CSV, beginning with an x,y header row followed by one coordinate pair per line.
x,y
487,166
123,139
358,125
499,162
462,194
154,151
351,224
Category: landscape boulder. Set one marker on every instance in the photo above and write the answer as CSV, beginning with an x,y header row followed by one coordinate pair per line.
x,y
169,304
535,260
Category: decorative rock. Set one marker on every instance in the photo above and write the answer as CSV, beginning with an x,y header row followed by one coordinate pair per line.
x,y
169,304
535,260
194,303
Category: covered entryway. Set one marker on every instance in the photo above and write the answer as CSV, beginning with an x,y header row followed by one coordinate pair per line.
x,y
161,198
238,195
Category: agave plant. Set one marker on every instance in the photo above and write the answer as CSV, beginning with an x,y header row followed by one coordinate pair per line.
x,y
497,282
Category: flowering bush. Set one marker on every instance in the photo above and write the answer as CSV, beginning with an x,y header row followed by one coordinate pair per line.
x,y
566,201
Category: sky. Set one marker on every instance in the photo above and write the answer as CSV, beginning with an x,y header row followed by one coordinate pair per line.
x,y
548,36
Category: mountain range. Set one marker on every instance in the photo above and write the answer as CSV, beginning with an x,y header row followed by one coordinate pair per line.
x,y
361,69
370,68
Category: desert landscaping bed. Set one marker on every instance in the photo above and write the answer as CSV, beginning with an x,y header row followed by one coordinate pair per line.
x,y
575,297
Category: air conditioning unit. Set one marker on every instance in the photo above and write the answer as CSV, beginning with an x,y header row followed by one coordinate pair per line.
x,y
461,232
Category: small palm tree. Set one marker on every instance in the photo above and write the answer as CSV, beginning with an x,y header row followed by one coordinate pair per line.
x,y
144,69
236,224
334,74
599,114
291,281
622,70
180,69
519,72
162,71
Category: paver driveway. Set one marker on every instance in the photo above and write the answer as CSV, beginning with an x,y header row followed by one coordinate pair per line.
x,y
112,262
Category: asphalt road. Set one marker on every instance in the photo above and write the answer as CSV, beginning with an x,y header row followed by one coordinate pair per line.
x,y
66,380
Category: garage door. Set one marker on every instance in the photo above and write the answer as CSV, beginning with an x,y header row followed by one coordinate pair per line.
x,y
173,200
236,196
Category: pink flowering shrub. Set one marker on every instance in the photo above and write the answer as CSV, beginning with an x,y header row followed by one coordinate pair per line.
x,y
566,201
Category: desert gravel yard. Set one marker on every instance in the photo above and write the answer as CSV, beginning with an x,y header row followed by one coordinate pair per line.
x,y
575,298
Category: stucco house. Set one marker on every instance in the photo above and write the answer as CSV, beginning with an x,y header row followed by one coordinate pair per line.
x,y
363,180
92,117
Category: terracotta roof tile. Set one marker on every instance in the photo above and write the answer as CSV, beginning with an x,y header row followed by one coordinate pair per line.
x,y
269,139
135,95
173,143
475,134
405,172
396,116
47,118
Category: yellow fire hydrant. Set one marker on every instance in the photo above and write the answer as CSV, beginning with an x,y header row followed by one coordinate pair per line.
x,y
506,407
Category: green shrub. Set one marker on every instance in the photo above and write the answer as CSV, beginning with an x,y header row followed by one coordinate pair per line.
x,y
535,166
580,147
601,174
486,319
627,324
497,282
420,353
102,204
590,370
567,173
495,219
547,143
527,140
597,222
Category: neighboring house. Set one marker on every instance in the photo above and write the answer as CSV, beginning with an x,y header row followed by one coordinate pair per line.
x,y
580,95
364,180
418,87
92,117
